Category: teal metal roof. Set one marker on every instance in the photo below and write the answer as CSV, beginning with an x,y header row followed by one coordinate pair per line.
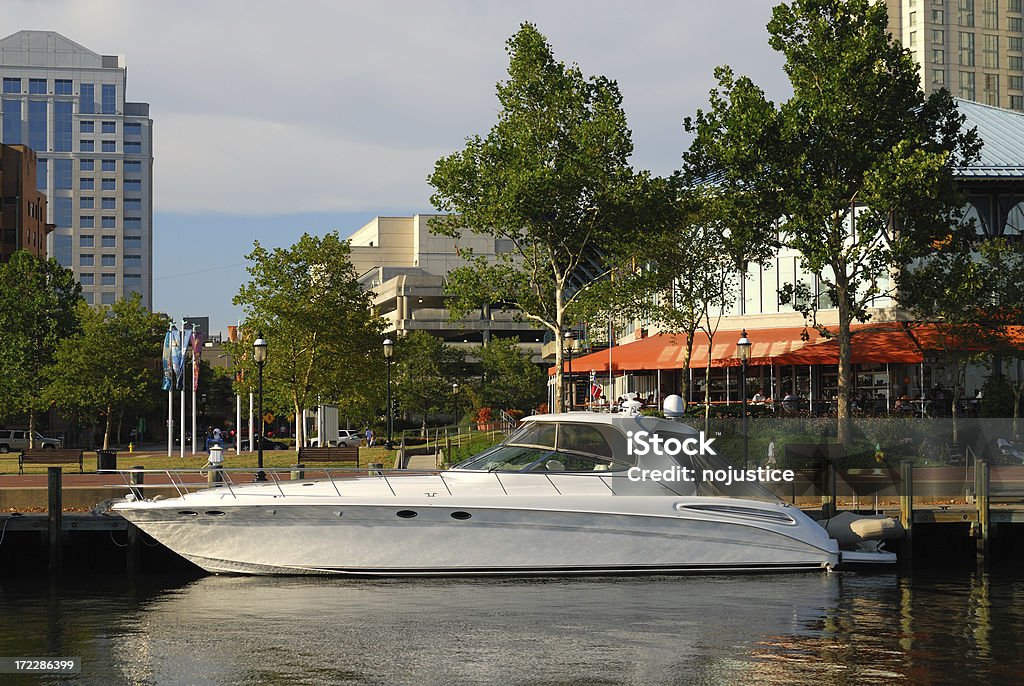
x,y
1002,155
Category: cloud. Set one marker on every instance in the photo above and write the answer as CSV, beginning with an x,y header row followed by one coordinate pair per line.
x,y
321,105
209,163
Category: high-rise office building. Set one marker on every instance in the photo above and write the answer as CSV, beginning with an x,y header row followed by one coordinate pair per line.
x,y
973,48
94,158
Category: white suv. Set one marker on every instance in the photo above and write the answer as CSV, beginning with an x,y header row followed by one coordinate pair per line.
x,y
17,439
347,438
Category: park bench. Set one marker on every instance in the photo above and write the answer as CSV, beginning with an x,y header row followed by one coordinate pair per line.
x,y
329,454
49,456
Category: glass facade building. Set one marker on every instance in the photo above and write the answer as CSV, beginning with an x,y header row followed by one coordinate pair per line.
x,y
69,105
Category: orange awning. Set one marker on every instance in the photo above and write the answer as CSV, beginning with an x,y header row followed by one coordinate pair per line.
x,y
882,342
666,351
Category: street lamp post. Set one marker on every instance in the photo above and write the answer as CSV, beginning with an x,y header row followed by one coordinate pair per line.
x,y
743,349
570,344
259,354
389,351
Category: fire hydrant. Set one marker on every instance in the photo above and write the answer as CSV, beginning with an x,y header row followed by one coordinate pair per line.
x,y
131,447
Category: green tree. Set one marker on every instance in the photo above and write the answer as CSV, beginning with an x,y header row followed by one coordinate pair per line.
x,y
551,180
509,379
38,300
858,163
423,372
108,365
324,340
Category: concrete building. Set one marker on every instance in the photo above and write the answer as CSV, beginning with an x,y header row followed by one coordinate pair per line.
x,y
405,266
22,208
973,48
95,158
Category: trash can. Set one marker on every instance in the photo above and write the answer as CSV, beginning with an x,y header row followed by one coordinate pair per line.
x,y
298,472
106,460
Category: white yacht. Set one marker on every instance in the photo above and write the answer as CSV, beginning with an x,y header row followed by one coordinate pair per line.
x,y
565,494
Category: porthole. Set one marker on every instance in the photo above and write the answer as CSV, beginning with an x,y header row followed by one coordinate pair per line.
x,y
215,513
188,513
461,515
407,514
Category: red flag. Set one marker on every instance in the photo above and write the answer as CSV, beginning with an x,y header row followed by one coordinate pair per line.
x,y
596,391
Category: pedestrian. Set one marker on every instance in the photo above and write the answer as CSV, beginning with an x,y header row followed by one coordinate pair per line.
x,y
369,437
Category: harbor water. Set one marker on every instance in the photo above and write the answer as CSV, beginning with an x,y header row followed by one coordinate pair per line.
x,y
932,627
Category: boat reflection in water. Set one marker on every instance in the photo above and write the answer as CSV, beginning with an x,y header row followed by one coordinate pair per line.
x,y
793,629
560,496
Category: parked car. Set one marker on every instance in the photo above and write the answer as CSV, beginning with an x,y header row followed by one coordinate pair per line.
x,y
17,439
268,444
348,438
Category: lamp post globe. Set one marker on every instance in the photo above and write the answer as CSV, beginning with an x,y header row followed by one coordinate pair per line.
x,y
389,351
259,354
743,352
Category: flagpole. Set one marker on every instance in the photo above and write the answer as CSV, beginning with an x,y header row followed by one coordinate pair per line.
x,y
238,423
170,389
181,410
252,437
170,421
194,327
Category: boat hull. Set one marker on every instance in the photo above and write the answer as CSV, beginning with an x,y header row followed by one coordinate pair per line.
x,y
445,536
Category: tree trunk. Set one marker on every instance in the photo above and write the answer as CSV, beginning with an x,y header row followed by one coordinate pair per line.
x,y
845,317
31,429
684,377
559,363
707,387
956,394
300,427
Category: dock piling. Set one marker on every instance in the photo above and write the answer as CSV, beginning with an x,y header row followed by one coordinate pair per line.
x,y
907,510
55,512
982,482
134,536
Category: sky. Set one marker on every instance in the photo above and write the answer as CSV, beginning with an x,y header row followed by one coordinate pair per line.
x,y
276,119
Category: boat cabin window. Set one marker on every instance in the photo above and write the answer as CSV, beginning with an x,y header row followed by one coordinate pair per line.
x,y
534,433
552,447
583,438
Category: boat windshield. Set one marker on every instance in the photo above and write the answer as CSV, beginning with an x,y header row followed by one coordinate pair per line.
x,y
554,447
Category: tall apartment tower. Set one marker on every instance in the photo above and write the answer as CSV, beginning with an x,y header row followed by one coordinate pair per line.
x,y
94,158
973,48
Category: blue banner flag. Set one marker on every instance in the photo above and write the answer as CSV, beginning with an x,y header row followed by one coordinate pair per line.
x,y
168,357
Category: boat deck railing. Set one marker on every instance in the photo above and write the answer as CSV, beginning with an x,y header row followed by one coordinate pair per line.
x,y
140,480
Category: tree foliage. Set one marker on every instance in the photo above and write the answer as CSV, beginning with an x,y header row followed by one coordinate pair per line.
x,y
324,340
509,379
424,369
107,366
552,179
38,301
974,296
858,164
